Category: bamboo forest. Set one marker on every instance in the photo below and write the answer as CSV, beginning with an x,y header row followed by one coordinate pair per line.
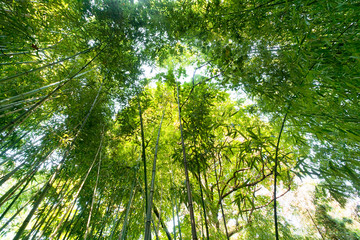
x,y
179,119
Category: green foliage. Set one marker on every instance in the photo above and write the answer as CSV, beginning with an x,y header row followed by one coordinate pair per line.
x,y
73,76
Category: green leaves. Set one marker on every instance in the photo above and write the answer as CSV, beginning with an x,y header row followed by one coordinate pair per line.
x,y
294,57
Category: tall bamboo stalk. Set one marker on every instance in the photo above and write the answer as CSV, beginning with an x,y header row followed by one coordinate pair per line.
x,y
70,223
275,178
132,193
22,95
117,219
203,206
191,209
201,191
143,156
178,218
74,227
16,197
50,213
148,211
163,225
30,174
154,228
14,215
108,213
173,214
93,197
220,200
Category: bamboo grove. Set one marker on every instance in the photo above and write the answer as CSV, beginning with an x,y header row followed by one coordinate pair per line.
x,y
96,146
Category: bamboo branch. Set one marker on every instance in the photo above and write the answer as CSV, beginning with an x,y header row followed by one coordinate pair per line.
x,y
245,185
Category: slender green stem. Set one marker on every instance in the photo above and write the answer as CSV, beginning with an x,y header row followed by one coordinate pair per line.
x,y
148,211
143,155
220,200
191,209
275,178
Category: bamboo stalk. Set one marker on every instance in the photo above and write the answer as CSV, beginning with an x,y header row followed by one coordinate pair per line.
x,y
173,215
14,123
178,218
53,176
124,228
275,178
77,193
14,215
154,228
41,218
203,206
70,223
30,174
143,156
148,211
92,201
192,218
220,200
322,237
163,225
45,66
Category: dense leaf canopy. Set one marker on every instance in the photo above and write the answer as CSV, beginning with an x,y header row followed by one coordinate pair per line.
x,y
125,119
